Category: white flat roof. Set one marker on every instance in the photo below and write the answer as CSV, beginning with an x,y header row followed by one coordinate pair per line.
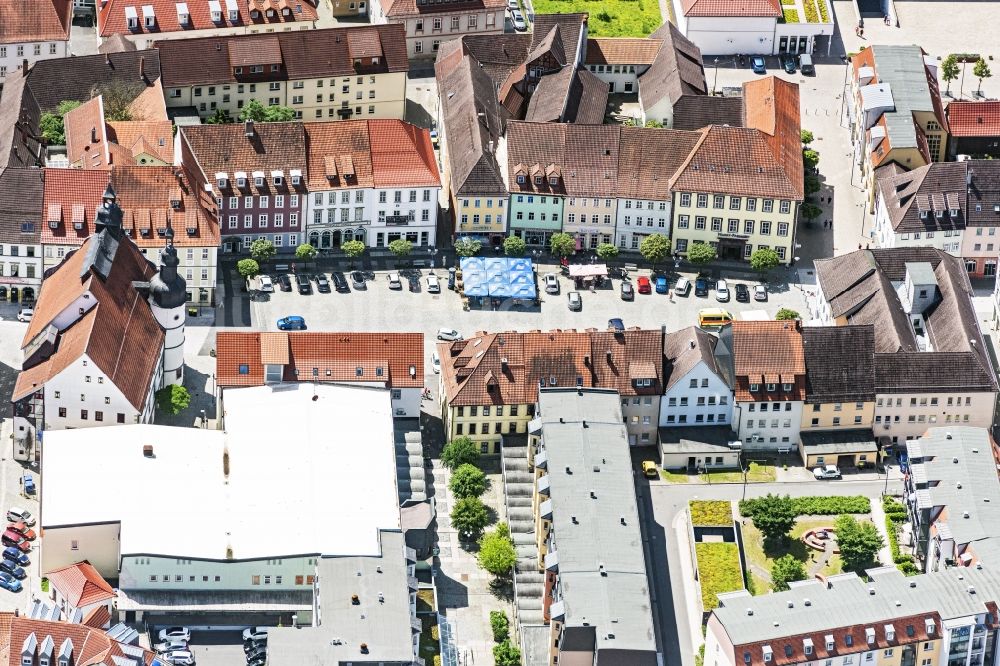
x,y
305,477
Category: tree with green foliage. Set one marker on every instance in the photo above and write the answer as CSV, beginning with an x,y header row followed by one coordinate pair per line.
x,y
701,253
467,481
306,252
786,569
51,123
858,541
117,97
262,250
401,247
248,268
655,248
220,117
562,244
353,248
469,517
514,246
949,71
257,112
764,259
607,251
500,625
786,314
654,123
981,71
810,159
505,654
467,247
812,184
810,211
496,552
806,137
173,399
460,451
774,516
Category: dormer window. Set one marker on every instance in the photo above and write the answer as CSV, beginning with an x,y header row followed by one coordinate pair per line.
x,y
375,61
234,15
786,387
237,70
554,181
754,387
183,15
771,387
538,180
216,10
131,18
359,371
939,214
242,182
296,177
256,69
148,16
923,215
222,180
258,178
953,212
520,179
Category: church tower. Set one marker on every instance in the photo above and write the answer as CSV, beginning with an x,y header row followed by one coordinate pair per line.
x,y
167,298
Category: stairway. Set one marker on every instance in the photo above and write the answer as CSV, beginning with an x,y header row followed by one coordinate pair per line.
x,y
529,581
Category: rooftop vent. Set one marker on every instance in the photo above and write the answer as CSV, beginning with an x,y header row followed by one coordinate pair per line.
x,y
147,451
749,611
807,602
355,600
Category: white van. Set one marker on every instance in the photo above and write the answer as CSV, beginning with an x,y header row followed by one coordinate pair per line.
x,y
19,515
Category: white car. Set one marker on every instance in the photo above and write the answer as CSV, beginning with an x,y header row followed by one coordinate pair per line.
x,y
518,20
827,472
175,634
433,284
255,634
170,646
179,657
573,301
721,291
266,284
18,515
759,292
448,334
394,281
436,363
512,5
25,314
551,283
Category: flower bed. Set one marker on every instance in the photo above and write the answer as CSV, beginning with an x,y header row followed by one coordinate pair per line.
x,y
790,15
718,570
824,11
812,16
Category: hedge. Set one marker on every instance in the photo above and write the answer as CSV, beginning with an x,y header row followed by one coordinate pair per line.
x,y
718,570
903,562
818,506
711,513
894,510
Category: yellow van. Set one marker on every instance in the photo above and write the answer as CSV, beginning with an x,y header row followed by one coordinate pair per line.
x,y
714,318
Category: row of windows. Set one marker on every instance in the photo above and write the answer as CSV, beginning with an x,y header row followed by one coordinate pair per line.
x,y
762,423
732,226
345,197
277,239
775,406
14,270
571,219
98,416
662,222
613,69
15,250
263,201
924,418
698,418
477,204
36,49
345,215
273,85
472,22
735,203
836,421
178,578
498,410
476,219
484,428
923,402
710,400
263,221
837,406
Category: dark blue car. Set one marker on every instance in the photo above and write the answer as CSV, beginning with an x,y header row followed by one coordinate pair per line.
x,y
8,582
661,285
14,555
292,323
757,64
12,569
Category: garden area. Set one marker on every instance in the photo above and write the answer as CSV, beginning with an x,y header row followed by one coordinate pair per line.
x,y
718,570
756,473
609,18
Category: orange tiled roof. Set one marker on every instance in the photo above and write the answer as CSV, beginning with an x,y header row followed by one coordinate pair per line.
x,y
402,155
91,646
622,50
80,584
768,352
724,8
112,18
35,21
385,358
326,146
98,617
974,118
86,137
154,137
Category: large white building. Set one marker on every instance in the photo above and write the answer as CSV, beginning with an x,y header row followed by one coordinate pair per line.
x,y
28,35
696,389
320,474
720,27
107,333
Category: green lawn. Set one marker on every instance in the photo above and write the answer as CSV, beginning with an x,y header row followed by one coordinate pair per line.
x,y
711,513
674,477
609,18
757,473
756,554
719,570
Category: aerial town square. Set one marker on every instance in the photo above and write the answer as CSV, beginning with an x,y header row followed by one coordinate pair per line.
x,y
499,333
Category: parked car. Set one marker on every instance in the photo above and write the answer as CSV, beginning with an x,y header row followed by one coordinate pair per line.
x,y
759,292
11,538
827,472
303,280
683,286
628,291
358,280
8,582
322,284
285,282
340,282
742,293
394,281
788,63
433,284
175,634
180,657
806,64
518,20
255,651
551,282
721,291
14,555
701,287
512,5
617,324
435,363
25,314
18,515
260,660
292,323
661,284
170,646
23,530
12,568
255,634
644,285
573,301
265,284
649,469
757,65
28,482
448,334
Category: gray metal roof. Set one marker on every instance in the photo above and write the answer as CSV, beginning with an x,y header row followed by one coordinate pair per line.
x,y
381,619
902,67
854,440
595,520
960,472
697,439
848,601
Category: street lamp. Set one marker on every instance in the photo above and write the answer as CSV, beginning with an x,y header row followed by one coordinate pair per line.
x,y
885,490
716,80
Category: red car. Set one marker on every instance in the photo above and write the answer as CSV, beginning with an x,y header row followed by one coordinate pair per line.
x,y
23,530
11,538
644,286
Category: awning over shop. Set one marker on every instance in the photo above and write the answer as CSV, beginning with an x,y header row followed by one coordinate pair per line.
x,y
587,270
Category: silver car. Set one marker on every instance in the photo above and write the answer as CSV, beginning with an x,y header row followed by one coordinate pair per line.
x,y
433,284
721,291
573,301
551,283
518,20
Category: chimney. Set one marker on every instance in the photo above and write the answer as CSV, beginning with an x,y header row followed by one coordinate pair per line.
x,y
93,135
142,68
147,451
248,129
692,344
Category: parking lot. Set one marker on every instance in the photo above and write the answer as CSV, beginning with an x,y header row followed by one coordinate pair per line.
x,y
379,308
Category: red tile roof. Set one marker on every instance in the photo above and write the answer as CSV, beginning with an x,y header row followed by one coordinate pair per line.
x,y
91,646
622,50
400,8
768,352
385,358
86,138
99,617
974,118
402,154
724,8
35,20
80,584
329,144
153,137
112,20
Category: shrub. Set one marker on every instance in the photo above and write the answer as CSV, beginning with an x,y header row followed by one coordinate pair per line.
x,y
790,15
607,251
401,247
173,399
306,252
500,626
785,570
816,506
514,246
701,253
262,250
859,541
824,11
496,552
505,654
711,513
247,268
468,247
786,314
812,16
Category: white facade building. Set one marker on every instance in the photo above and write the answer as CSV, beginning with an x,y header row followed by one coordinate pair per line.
x,y
731,29
696,390
29,33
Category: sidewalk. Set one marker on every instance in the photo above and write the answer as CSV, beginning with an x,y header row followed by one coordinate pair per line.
x,y
878,517
692,598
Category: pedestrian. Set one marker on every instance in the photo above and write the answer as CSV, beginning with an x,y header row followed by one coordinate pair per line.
x,y
868,246
859,246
